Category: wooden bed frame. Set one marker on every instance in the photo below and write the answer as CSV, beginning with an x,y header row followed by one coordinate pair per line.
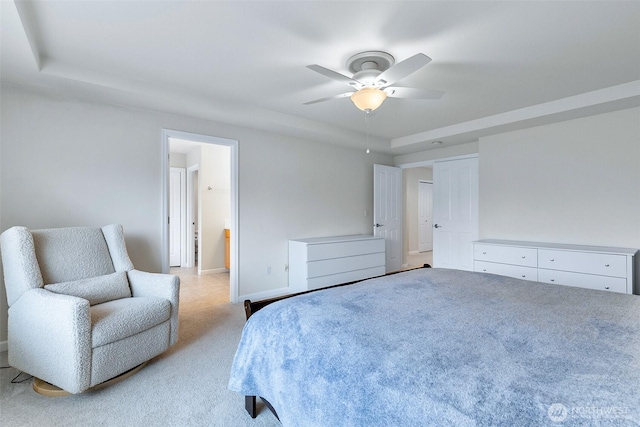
x,y
251,307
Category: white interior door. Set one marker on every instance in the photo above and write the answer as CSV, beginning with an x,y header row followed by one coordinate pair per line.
x,y
455,213
176,197
425,215
387,212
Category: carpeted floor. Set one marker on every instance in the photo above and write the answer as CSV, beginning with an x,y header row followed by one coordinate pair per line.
x,y
186,386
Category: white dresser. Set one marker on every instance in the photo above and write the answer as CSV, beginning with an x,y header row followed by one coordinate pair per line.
x,y
325,261
593,267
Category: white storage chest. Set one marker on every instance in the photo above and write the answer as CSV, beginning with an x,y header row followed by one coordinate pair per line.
x,y
594,267
325,261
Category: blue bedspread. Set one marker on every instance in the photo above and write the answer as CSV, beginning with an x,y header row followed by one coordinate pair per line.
x,y
436,347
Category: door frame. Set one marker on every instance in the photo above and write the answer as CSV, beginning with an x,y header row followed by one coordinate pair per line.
x,y
233,226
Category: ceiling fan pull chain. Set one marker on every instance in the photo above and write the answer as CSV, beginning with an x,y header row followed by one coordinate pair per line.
x,y
366,121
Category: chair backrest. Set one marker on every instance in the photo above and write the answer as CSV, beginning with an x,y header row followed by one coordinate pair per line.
x,y
67,254
34,258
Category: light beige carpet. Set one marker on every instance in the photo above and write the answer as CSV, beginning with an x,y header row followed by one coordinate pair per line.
x,y
186,386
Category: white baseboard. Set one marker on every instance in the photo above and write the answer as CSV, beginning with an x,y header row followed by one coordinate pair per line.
x,y
4,346
214,271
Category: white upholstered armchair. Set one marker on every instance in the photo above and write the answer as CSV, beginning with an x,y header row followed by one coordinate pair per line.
x,y
79,313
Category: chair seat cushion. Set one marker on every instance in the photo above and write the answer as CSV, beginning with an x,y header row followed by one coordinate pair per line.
x,y
114,320
96,290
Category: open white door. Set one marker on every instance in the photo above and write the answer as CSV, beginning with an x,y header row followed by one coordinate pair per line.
x,y
176,217
425,216
455,213
387,212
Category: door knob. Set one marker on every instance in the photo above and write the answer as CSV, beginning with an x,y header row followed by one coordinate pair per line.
x,y
436,226
377,225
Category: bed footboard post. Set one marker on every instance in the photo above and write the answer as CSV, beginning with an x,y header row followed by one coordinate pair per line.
x,y
250,405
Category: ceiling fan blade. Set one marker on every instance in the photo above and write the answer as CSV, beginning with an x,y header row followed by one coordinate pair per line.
x,y
402,69
413,93
329,98
335,76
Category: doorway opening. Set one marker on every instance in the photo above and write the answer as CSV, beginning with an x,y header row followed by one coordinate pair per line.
x,y
200,234
425,216
418,213
454,207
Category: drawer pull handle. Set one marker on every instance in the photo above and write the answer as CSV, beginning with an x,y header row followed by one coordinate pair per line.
x,y
606,265
524,275
523,257
552,259
606,287
484,253
553,280
484,269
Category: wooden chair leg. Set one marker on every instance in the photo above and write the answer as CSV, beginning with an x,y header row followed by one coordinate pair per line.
x,y
250,405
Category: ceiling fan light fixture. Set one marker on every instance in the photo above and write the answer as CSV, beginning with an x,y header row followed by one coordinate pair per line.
x,y
368,98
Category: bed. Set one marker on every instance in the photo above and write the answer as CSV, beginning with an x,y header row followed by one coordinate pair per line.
x,y
445,348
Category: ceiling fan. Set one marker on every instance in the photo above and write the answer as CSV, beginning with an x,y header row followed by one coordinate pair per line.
x,y
374,73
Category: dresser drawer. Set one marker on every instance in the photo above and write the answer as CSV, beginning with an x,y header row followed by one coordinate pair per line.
x,y
583,262
340,265
348,276
345,248
505,254
516,271
603,283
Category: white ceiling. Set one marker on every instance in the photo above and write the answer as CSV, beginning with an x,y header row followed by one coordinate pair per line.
x,y
503,65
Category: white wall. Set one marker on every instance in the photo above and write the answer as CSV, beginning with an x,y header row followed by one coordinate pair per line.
x,y
66,162
442,152
571,182
410,179
70,162
294,190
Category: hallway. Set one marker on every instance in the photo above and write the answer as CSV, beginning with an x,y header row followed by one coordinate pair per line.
x,y
419,259
198,292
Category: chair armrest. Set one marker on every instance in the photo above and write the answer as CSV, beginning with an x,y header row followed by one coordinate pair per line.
x,y
165,286
50,338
